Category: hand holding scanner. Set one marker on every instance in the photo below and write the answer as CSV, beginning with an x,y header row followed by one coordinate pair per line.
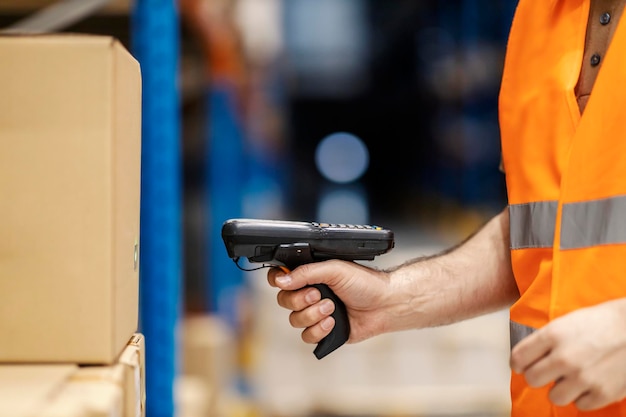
x,y
289,244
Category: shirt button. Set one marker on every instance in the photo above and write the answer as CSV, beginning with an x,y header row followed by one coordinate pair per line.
x,y
605,18
595,60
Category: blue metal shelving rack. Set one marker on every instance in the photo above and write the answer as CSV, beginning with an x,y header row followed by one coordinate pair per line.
x,y
225,167
155,43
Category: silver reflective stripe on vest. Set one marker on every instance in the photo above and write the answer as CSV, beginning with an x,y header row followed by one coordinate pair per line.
x,y
518,332
591,223
532,225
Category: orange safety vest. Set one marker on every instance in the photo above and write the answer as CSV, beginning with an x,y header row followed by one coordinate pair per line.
x,y
566,177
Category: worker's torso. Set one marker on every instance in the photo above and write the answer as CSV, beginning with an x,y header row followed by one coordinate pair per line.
x,y
565,168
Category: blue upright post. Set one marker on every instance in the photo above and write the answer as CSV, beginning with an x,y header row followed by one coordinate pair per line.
x,y
226,173
155,41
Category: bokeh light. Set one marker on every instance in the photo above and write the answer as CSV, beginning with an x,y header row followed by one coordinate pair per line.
x,y
342,157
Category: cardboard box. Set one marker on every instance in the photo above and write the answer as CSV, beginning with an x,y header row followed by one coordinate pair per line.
x,y
133,359
95,391
128,373
209,349
100,390
114,390
193,397
25,389
209,353
70,134
73,391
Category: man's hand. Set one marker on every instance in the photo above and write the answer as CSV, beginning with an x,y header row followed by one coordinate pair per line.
x,y
363,291
583,353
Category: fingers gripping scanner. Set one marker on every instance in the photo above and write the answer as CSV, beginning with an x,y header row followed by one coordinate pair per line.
x,y
289,244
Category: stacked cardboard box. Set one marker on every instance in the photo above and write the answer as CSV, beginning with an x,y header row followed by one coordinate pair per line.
x,y
210,371
70,134
70,390
209,363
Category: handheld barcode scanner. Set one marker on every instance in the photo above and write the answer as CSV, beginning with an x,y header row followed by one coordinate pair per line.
x,y
289,244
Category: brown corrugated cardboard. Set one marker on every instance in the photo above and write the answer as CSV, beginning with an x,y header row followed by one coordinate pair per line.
x,y
209,352
70,133
25,389
60,408
209,349
128,373
95,391
72,391
193,397
133,360
102,390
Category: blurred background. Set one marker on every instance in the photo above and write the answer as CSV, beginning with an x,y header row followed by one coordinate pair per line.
x,y
345,111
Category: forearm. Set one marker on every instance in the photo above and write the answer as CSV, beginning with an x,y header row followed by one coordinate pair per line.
x,y
472,279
